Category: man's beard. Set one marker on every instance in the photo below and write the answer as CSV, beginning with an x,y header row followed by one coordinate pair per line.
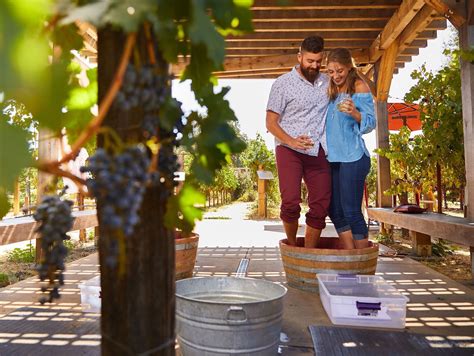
x,y
309,74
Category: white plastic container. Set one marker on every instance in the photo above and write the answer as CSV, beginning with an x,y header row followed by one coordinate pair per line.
x,y
361,300
90,295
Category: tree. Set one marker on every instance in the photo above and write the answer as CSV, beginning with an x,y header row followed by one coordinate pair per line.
x,y
258,155
137,136
415,159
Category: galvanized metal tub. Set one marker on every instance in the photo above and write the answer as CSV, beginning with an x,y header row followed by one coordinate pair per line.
x,y
302,264
228,316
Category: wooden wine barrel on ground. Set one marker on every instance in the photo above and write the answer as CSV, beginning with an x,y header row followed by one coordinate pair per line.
x,y
186,251
302,264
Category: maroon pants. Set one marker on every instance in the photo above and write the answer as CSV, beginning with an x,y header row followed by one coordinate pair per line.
x,y
316,172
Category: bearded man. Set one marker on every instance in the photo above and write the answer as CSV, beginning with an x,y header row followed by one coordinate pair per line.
x,y
296,115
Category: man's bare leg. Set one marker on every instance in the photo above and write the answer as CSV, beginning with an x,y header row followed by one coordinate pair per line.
x,y
346,240
311,237
364,243
291,230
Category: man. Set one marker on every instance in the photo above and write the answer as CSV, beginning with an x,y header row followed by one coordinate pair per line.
x,y
296,114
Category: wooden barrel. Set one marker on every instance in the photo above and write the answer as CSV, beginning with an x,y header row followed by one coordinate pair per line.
x,y
186,251
303,264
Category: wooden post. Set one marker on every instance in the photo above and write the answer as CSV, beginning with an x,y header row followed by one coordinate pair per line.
x,y
385,229
262,199
48,149
471,252
383,75
439,188
421,244
466,37
80,204
16,198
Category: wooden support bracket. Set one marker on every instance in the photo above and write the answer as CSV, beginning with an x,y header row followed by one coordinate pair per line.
x,y
421,243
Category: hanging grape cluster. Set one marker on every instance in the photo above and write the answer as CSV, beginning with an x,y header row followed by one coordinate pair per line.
x,y
147,90
54,216
118,183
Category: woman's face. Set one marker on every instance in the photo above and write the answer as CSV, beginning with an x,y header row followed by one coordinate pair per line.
x,y
338,72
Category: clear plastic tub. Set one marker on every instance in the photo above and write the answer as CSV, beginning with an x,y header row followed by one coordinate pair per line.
x,y
360,300
90,295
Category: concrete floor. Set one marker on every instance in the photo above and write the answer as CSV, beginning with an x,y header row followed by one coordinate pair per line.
x,y
438,306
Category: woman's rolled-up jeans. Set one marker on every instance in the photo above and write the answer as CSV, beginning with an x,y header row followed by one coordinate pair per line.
x,y
346,200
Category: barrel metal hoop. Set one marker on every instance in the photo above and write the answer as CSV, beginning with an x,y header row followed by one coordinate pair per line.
x,y
326,270
331,258
186,246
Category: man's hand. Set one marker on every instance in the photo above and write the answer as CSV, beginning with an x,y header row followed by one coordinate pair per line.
x,y
302,142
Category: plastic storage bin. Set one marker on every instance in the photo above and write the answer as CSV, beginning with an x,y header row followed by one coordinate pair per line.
x,y
90,295
361,300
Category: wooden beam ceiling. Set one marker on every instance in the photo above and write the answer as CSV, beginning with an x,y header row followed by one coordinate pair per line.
x,y
366,27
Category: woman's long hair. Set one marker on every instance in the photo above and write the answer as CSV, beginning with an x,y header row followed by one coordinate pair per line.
x,y
343,56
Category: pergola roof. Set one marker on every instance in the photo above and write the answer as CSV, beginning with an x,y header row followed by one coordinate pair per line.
x,y
362,26
366,27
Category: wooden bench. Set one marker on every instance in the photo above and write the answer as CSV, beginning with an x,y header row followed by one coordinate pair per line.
x,y
23,228
424,226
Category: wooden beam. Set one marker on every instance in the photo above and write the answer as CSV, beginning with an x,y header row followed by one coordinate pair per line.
x,y
316,26
449,13
299,36
416,26
466,39
264,62
383,76
394,27
325,5
385,73
383,163
322,15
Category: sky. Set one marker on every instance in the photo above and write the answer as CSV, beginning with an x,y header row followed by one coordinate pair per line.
x,y
248,97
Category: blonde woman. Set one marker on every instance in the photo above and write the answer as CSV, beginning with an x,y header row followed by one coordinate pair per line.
x,y
350,115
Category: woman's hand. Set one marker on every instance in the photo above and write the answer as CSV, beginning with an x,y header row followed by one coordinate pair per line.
x,y
347,107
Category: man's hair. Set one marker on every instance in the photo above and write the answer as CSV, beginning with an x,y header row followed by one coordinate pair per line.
x,y
313,44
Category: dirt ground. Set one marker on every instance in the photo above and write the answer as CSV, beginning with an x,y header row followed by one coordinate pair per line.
x,y
455,264
13,271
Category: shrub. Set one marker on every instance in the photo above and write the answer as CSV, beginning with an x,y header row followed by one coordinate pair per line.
x,y
24,255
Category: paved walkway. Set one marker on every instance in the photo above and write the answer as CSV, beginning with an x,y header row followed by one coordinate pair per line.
x,y
439,308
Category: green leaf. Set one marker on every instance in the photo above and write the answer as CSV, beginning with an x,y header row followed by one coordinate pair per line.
x,y
203,32
14,155
4,203
181,211
170,113
91,13
129,15
68,38
199,70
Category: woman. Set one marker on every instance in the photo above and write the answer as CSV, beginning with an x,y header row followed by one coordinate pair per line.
x,y
350,115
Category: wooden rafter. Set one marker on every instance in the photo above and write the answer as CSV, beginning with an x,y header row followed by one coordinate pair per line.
x,y
449,13
366,27
405,13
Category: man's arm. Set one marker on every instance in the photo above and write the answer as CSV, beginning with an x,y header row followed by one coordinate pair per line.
x,y
302,142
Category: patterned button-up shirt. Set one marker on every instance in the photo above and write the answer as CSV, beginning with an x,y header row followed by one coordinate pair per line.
x,y
302,107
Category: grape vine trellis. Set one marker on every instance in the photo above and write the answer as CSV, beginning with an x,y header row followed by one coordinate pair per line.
x,y
190,28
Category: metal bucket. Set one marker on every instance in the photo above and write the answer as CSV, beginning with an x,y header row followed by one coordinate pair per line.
x,y
228,316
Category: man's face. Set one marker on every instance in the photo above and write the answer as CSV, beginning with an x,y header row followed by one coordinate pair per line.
x,y
310,64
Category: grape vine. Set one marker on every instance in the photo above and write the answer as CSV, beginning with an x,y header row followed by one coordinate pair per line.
x,y
54,215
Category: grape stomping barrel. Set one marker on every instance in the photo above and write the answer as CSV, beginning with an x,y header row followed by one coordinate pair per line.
x,y
302,264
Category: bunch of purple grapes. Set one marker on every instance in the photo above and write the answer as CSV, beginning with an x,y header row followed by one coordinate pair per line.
x,y
54,215
118,183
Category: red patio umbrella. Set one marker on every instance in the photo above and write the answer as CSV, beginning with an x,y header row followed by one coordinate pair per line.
x,y
403,114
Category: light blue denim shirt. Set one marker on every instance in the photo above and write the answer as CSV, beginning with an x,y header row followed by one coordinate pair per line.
x,y
344,134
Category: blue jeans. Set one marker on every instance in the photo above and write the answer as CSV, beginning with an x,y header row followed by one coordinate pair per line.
x,y
346,200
